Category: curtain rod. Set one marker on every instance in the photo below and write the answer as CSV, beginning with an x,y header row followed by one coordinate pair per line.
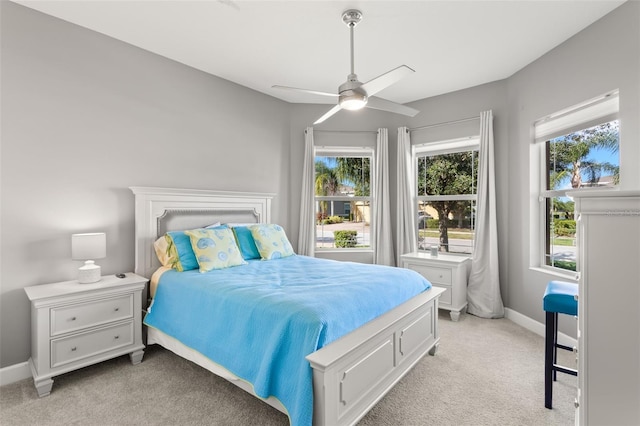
x,y
462,120
345,131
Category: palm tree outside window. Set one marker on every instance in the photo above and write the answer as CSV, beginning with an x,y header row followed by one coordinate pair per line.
x,y
581,151
343,198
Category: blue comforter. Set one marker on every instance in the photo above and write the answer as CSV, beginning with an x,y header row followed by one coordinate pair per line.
x,y
260,320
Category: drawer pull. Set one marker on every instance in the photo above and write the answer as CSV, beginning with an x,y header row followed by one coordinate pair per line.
x,y
73,349
72,319
116,309
116,337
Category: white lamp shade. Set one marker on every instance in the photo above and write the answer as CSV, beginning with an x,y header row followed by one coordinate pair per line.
x,y
88,246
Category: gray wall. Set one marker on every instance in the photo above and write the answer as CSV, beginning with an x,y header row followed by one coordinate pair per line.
x,y
85,116
603,57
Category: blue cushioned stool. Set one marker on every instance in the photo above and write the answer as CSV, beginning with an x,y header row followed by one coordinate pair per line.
x,y
559,298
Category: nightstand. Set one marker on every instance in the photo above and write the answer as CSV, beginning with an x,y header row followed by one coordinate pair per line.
x,y
447,271
75,325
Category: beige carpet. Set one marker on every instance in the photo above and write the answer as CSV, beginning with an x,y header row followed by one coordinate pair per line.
x,y
487,372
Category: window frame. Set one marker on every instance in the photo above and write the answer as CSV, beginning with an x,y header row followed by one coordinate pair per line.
x,y
594,112
353,152
432,149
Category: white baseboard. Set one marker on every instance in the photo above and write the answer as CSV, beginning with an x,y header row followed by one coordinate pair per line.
x,y
537,327
14,373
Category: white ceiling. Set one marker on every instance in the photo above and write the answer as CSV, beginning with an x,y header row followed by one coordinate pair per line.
x,y
450,44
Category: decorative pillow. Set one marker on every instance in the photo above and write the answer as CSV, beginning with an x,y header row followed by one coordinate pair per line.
x,y
174,250
215,248
246,243
271,241
179,251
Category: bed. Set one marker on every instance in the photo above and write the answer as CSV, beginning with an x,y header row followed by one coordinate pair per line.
x,y
349,374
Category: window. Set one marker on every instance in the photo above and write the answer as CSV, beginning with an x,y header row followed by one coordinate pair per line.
x,y
446,182
343,198
580,150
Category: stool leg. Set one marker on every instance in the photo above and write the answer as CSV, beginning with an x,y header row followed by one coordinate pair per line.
x,y
555,345
548,357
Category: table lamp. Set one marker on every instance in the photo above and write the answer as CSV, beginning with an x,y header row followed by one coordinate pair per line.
x,y
88,247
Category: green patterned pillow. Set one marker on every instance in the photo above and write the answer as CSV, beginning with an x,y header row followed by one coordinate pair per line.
x,y
164,254
271,241
215,248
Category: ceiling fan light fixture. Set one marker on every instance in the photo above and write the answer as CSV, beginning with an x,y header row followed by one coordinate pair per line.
x,y
352,100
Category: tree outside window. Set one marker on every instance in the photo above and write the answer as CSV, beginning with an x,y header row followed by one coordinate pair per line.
x,y
446,185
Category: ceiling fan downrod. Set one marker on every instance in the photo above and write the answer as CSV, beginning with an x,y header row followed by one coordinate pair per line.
x,y
351,18
351,96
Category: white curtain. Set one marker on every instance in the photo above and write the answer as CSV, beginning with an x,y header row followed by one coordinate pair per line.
x,y
306,236
483,293
407,207
382,211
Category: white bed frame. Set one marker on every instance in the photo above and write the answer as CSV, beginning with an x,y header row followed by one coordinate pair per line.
x,y
351,374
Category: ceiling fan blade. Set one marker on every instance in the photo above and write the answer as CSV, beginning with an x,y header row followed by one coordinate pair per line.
x,y
314,92
385,105
385,80
328,114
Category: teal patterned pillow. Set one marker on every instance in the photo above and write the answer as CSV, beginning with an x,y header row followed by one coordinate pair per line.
x,y
271,241
179,251
246,244
215,248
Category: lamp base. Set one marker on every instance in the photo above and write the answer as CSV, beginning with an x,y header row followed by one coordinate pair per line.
x,y
89,273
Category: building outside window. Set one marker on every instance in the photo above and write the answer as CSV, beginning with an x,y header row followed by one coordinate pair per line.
x,y
343,198
580,151
446,182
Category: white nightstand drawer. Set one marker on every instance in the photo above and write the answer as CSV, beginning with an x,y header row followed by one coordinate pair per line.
x,y
76,347
435,275
445,298
77,317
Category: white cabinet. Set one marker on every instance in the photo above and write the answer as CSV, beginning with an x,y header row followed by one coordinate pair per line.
x,y
74,325
608,307
446,271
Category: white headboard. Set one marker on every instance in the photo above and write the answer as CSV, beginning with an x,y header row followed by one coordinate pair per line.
x,y
159,210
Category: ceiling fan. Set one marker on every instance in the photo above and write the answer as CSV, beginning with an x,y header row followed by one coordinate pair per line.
x,y
354,95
